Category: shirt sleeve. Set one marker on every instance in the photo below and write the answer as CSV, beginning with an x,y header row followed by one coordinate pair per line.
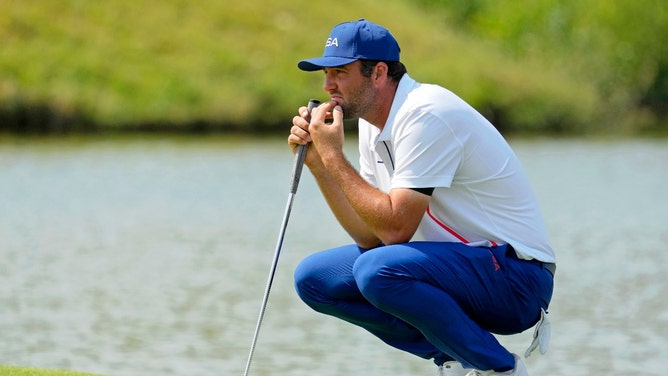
x,y
427,152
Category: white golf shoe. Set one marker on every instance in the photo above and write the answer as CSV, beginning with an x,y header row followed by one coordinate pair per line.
x,y
452,369
519,370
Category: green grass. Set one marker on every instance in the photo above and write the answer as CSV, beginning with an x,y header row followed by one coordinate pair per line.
x,y
23,371
212,65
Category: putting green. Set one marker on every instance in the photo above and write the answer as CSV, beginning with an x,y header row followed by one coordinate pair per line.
x,y
25,371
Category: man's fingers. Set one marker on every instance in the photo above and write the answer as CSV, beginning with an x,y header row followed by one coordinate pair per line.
x,y
337,114
299,135
303,112
322,112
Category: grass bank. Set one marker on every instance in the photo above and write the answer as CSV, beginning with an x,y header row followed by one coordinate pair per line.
x,y
23,371
174,65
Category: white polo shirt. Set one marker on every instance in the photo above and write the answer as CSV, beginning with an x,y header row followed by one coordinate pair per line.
x,y
482,196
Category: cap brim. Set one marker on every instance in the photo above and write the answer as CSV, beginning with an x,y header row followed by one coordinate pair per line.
x,y
318,63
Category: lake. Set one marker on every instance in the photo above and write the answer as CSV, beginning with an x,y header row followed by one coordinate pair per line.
x,y
148,255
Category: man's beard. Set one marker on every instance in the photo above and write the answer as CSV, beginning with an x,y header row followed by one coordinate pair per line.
x,y
359,102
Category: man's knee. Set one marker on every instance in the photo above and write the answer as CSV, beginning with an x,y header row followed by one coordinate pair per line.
x,y
374,277
306,285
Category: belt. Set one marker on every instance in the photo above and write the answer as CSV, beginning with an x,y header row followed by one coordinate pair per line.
x,y
549,266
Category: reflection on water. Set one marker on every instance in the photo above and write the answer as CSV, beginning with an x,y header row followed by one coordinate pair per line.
x,y
149,257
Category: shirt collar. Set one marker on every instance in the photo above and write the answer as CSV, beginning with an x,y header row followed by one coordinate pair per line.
x,y
406,84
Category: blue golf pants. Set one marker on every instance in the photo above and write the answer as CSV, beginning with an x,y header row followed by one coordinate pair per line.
x,y
436,300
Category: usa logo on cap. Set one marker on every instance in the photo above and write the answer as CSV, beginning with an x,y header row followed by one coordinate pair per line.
x,y
352,41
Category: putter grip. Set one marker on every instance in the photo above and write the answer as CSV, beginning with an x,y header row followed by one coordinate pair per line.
x,y
301,153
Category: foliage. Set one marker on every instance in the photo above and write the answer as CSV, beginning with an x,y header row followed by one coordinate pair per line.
x,y
615,46
561,66
21,371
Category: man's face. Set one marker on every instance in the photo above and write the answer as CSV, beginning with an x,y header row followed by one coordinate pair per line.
x,y
350,89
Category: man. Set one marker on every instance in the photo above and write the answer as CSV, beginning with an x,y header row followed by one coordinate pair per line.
x,y
449,245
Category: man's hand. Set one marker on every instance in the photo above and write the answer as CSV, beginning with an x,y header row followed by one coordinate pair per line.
x,y
328,137
299,132
299,135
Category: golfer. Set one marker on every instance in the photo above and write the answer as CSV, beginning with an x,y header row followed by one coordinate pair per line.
x,y
449,246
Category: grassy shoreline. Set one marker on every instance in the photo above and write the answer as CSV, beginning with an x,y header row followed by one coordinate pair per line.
x,y
30,371
216,67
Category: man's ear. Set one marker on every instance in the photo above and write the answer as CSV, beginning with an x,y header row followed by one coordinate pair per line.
x,y
380,71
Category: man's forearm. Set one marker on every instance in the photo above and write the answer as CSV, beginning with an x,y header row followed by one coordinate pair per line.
x,y
392,217
342,210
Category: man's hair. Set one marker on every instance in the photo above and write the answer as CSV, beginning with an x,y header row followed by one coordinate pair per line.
x,y
395,71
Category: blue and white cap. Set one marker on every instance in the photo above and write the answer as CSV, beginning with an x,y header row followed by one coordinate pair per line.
x,y
351,41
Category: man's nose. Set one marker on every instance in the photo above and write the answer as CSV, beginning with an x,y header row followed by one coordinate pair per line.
x,y
329,83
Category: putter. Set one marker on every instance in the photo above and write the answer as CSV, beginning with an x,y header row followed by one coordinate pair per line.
x,y
296,175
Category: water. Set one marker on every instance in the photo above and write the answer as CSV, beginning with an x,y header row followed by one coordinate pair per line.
x,y
150,256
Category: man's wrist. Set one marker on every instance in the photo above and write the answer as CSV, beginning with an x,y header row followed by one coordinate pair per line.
x,y
333,159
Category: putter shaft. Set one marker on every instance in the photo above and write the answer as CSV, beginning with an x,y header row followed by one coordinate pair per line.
x,y
296,176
